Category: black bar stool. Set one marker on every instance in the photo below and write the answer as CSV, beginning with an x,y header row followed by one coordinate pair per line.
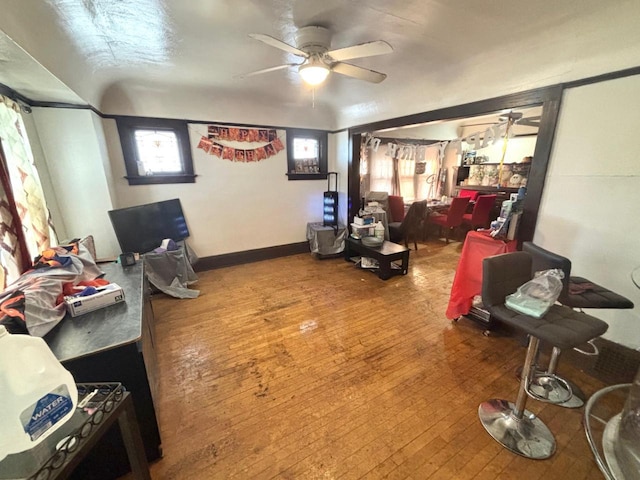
x,y
510,424
577,293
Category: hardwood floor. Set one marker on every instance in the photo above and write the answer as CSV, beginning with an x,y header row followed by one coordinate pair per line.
x,y
299,368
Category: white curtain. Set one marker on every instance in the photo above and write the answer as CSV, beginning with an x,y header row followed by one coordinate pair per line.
x,y
25,187
427,186
380,171
412,186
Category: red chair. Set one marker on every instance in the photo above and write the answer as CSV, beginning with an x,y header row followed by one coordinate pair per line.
x,y
471,194
396,208
479,217
453,217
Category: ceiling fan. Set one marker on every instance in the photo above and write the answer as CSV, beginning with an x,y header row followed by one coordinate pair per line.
x,y
313,46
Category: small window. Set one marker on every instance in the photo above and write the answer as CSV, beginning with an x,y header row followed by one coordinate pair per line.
x,y
306,154
155,150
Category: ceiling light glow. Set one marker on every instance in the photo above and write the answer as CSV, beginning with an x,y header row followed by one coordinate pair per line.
x,y
313,73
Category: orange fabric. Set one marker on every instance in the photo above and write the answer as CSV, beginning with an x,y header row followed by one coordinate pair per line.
x,y
68,288
55,256
7,307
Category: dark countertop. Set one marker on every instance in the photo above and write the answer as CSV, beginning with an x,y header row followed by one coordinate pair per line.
x,y
106,328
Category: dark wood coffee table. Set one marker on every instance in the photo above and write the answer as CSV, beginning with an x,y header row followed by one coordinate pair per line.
x,y
385,254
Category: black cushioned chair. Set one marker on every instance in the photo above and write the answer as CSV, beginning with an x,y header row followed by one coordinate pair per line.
x,y
411,226
578,293
510,424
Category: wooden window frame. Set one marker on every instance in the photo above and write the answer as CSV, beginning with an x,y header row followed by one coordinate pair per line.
x,y
323,140
127,127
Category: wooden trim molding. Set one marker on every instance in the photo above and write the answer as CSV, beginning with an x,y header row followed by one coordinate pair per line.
x,y
250,256
548,97
516,100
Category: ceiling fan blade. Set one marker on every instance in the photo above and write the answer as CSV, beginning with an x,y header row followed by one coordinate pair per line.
x,y
530,121
369,49
266,70
358,72
274,42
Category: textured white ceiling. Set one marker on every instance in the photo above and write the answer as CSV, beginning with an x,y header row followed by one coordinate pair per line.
x,y
177,58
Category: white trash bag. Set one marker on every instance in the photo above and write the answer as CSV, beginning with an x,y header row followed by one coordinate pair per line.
x,y
535,297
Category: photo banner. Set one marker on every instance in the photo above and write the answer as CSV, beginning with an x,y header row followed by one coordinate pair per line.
x,y
233,154
262,135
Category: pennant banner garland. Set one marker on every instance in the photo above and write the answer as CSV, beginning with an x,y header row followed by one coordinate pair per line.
x,y
242,134
476,140
272,146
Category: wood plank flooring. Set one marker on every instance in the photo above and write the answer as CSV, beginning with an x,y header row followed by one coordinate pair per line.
x,y
298,368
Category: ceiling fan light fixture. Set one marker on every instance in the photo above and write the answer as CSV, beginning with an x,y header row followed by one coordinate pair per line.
x,y
313,73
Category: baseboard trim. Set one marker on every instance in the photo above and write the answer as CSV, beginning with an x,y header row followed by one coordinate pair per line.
x,y
614,363
250,256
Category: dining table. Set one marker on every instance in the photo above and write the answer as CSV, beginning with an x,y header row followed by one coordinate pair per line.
x,y
438,205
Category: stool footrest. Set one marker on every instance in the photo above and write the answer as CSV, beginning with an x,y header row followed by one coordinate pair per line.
x,y
550,388
593,353
578,397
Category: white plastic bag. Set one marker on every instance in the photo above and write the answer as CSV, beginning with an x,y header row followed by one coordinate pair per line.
x,y
535,297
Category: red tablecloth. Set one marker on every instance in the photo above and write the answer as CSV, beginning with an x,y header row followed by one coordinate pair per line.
x,y
467,282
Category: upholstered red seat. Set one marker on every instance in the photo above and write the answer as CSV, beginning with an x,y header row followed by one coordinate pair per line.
x,y
479,217
396,208
453,217
471,194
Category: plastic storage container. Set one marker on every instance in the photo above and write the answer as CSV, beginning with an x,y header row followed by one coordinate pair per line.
x,y
37,394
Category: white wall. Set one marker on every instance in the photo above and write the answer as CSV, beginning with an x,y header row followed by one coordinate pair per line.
x,y
339,162
45,178
590,208
517,149
72,146
234,206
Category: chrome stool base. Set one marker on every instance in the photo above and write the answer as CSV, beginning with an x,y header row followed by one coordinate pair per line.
x,y
527,436
578,397
554,391
549,388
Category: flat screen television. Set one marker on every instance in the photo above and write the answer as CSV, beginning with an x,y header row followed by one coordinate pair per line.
x,y
142,228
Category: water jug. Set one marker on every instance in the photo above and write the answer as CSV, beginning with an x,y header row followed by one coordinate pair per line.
x,y
379,231
37,394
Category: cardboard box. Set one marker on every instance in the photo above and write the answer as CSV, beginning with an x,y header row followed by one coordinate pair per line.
x,y
107,295
363,220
